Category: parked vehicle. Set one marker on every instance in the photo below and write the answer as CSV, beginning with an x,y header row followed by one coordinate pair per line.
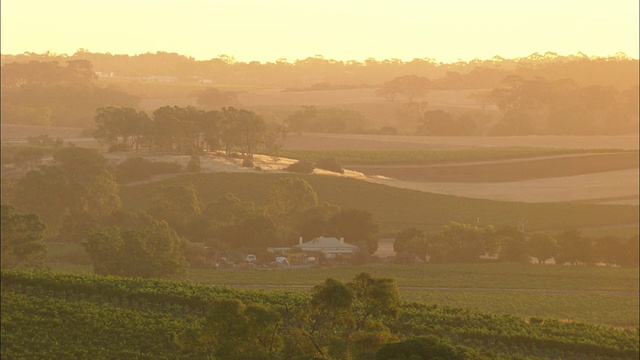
x,y
250,258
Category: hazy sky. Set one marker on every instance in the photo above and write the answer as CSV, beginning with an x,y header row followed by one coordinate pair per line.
x,y
266,30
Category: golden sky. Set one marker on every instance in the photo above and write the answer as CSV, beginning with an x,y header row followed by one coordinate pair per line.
x,y
267,30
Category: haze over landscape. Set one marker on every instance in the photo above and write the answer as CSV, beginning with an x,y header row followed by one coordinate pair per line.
x,y
251,30
320,180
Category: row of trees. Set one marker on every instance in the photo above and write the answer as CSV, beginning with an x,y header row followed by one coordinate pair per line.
x,y
618,70
327,120
48,94
532,107
61,105
460,243
561,107
187,129
77,71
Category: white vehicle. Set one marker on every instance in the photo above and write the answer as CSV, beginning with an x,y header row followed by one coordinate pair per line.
x,y
250,258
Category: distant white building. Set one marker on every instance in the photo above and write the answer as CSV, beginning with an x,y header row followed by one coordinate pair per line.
x,y
156,78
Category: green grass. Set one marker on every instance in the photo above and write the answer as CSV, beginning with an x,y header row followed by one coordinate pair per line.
x,y
396,209
433,156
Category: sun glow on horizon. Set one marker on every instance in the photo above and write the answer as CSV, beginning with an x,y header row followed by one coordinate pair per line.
x,y
251,30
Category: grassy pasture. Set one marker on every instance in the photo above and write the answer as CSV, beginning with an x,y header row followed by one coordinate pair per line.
x,y
395,209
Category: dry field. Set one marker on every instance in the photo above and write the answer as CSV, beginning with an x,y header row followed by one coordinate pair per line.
x,y
602,179
275,97
313,141
507,170
609,187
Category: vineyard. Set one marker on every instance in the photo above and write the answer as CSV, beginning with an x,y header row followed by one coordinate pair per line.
x,y
48,315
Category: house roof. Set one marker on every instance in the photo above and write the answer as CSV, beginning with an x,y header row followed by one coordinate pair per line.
x,y
327,244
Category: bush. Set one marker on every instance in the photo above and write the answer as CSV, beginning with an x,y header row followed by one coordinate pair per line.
x,y
138,168
117,148
330,164
258,168
421,347
388,130
302,167
194,164
247,163
163,167
404,257
133,169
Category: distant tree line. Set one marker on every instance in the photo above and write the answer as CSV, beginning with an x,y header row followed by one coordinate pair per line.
x,y
47,94
618,70
539,106
464,243
533,94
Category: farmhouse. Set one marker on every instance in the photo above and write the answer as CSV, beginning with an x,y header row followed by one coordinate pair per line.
x,y
329,246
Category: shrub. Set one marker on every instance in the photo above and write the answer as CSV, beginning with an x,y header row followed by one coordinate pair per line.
x,y
194,164
133,169
258,168
138,168
247,163
388,130
330,164
421,347
404,257
118,147
302,167
163,167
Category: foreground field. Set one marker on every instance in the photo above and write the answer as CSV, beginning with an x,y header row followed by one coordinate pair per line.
x,y
597,295
69,316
